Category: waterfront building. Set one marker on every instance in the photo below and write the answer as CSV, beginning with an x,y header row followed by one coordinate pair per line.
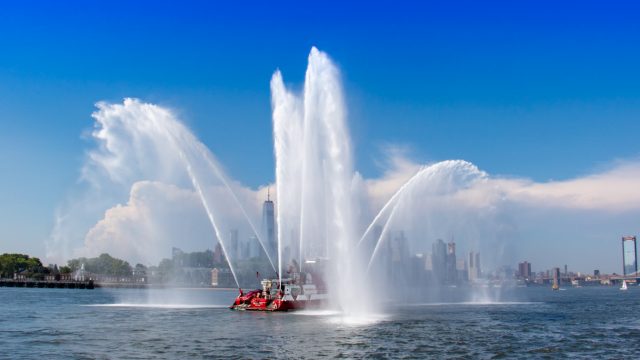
x,y
451,271
428,262
428,268
524,270
556,277
442,263
439,260
399,256
254,247
218,254
234,245
461,270
417,272
245,250
221,278
399,249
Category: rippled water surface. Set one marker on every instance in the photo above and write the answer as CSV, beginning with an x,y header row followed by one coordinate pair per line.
x,y
141,324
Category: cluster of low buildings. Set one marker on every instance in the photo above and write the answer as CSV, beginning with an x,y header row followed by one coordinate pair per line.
x,y
562,276
559,276
443,266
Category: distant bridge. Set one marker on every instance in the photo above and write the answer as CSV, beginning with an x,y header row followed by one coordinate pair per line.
x,y
635,277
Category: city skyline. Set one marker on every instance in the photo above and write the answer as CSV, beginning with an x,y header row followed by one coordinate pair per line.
x,y
551,115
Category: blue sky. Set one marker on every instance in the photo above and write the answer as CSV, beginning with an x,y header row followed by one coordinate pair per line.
x,y
532,89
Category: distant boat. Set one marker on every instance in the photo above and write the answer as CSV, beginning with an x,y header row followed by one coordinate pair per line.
x,y
624,285
555,287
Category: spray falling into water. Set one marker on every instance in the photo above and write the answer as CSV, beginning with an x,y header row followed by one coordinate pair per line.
x,y
143,142
314,174
443,178
198,188
184,141
216,169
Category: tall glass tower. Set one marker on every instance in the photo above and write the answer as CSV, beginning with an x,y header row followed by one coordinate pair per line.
x,y
269,226
629,256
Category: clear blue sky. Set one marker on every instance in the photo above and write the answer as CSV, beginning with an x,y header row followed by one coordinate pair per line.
x,y
535,89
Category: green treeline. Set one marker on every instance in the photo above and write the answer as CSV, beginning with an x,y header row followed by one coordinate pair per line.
x,y
32,268
104,264
20,263
197,259
185,268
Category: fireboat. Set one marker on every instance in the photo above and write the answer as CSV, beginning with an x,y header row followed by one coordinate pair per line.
x,y
294,293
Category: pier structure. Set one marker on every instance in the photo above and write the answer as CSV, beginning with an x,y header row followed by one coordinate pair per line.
x,y
63,284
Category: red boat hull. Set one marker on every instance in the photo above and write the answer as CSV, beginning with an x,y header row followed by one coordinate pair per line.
x,y
277,305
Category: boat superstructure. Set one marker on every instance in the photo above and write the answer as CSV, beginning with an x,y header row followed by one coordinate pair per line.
x,y
296,292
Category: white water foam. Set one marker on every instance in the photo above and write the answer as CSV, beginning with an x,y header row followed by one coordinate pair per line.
x,y
342,318
475,303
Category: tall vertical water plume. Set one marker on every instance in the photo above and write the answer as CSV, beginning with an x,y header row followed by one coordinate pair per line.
x,y
314,173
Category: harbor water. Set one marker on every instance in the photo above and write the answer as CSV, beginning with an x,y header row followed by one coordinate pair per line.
x,y
599,322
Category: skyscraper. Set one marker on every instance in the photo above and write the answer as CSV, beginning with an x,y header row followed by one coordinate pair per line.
x,y
439,260
399,249
255,250
218,254
452,273
461,269
234,245
556,277
629,255
524,270
399,256
269,226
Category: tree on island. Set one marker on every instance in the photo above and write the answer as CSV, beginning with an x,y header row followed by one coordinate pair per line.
x,y
104,264
31,267
196,259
